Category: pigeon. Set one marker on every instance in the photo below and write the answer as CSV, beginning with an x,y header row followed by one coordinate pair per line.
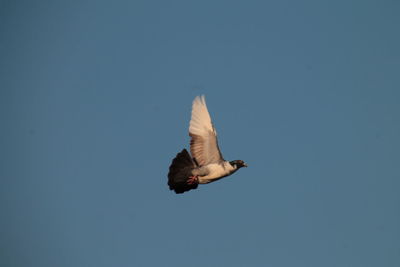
x,y
205,164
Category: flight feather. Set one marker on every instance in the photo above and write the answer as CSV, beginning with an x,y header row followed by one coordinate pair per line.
x,y
203,144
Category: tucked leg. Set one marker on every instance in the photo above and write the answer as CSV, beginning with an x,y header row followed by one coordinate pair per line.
x,y
193,179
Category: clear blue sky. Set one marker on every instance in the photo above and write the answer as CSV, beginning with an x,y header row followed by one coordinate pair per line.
x,y
95,100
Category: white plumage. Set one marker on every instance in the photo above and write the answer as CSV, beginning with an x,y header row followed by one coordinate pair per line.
x,y
200,122
216,171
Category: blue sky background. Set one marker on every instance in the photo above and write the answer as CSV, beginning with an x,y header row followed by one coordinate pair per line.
x,y
95,100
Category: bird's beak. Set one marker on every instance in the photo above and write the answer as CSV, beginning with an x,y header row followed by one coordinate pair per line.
x,y
244,164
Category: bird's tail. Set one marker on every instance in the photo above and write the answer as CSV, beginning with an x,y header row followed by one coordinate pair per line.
x,y
179,172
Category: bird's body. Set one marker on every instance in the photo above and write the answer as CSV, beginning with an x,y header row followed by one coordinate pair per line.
x,y
206,163
213,172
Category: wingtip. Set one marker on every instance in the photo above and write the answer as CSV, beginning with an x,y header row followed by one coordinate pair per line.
x,y
200,98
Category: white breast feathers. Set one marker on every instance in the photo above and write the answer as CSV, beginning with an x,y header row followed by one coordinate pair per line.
x,y
216,171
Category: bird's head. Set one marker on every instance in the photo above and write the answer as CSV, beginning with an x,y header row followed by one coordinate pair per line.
x,y
238,164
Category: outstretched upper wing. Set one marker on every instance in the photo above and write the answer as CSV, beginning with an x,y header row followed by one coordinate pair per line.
x,y
203,144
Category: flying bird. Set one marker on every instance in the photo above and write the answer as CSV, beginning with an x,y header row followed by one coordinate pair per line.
x,y
205,164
